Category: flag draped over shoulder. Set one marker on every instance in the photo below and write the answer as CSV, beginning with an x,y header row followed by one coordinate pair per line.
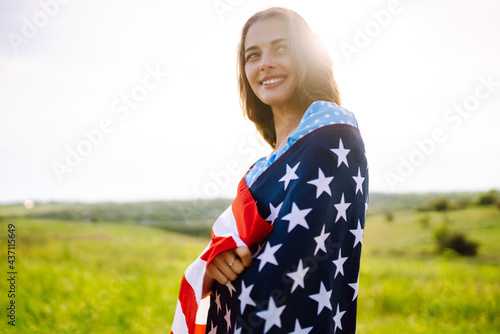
x,y
305,272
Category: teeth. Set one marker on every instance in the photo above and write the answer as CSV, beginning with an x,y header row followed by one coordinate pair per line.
x,y
268,82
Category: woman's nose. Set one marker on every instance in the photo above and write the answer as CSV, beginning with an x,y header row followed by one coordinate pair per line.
x,y
266,62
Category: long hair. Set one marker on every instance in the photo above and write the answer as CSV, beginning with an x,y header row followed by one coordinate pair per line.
x,y
313,66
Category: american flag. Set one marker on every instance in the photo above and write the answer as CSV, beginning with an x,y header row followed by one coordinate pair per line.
x,y
304,277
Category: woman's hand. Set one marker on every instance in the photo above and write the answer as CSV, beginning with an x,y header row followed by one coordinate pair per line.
x,y
228,265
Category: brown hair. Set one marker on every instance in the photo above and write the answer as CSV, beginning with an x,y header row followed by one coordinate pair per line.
x,y
314,70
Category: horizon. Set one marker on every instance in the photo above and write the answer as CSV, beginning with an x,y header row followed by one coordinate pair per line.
x,y
70,201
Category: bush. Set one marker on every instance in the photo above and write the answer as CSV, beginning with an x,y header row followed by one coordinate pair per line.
x,y
456,241
488,198
389,216
440,204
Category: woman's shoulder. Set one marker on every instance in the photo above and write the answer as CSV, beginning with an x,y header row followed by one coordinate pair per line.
x,y
321,113
325,112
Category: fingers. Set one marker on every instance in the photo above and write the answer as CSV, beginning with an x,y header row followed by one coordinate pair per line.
x,y
216,274
237,267
244,254
222,262
228,265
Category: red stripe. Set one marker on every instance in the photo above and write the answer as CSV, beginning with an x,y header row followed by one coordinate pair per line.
x,y
188,304
200,329
252,228
217,246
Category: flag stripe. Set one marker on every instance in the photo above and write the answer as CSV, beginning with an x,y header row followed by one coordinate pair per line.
x,y
179,325
189,304
252,227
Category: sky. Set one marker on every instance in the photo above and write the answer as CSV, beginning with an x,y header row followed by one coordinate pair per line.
x,y
121,101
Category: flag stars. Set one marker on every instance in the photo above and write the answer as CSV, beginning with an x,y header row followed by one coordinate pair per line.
x,y
268,255
274,212
290,174
217,301
355,286
359,182
230,288
298,276
300,330
297,217
322,183
320,241
257,252
358,234
341,209
272,316
341,153
323,298
244,297
227,317
337,319
213,329
339,263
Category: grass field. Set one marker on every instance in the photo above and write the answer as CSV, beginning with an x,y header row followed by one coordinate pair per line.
x,y
115,278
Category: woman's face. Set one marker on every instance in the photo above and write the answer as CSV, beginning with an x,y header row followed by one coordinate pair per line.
x,y
269,66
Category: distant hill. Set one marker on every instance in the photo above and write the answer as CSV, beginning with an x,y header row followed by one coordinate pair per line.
x,y
197,217
380,202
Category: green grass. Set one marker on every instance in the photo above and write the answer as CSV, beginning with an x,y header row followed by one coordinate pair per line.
x,y
104,278
113,278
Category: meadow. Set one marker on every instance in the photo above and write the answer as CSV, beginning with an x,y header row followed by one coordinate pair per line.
x,y
92,277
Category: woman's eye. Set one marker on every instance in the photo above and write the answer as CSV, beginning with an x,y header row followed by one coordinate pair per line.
x,y
281,49
251,56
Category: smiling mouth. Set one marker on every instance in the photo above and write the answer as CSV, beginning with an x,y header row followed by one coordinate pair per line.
x,y
272,81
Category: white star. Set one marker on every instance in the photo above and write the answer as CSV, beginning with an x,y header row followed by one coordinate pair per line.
x,y
320,241
227,317
336,319
355,286
298,276
230,287
341,209
271,315
274,212
217,301
296,217
299,330
244,297
342,153
268,255
323,298
238,331
213,330
322,183
339,263
358,233
290,174
359,182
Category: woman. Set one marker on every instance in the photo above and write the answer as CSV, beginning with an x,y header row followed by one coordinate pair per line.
x,y
285,256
